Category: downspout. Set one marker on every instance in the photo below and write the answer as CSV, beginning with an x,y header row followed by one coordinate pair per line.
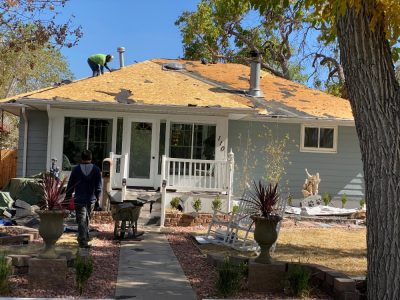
x,y
50,125
24,162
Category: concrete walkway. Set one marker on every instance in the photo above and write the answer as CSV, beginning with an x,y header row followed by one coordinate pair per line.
x,y
149,269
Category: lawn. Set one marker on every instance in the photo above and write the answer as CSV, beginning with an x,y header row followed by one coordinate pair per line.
x,y
342,249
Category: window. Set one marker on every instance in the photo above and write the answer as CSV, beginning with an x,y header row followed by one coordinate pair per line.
x,y
81,134
318,139
192,141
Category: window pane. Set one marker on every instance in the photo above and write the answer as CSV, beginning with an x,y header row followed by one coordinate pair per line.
x,y
100,136
204,142
118,148
75,141
326,138
140,153
311,137
181,140
161,148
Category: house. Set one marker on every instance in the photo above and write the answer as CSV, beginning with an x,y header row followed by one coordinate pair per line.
x,y
194,116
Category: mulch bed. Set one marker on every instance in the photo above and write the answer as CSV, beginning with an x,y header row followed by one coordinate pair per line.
x,y
105,254
202,275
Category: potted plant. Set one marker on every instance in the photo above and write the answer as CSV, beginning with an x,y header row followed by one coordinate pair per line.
x,y
262,200
51,213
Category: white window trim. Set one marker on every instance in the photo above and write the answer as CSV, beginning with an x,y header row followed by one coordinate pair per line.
x,y
318,150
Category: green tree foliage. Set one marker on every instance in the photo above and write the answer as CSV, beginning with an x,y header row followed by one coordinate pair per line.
x,y
218,30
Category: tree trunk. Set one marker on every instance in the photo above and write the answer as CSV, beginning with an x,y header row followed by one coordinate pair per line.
x,y
375,99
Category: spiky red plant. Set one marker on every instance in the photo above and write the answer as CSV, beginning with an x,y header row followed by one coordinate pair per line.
x,y
53,191
263,198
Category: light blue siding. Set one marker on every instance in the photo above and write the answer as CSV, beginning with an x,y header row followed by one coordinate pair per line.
x,y
340,172
37,143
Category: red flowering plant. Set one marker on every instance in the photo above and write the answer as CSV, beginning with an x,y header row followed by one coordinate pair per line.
x,y
263,198
53,192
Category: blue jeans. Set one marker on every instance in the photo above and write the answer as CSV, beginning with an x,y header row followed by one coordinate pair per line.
x,y
96,69
83,212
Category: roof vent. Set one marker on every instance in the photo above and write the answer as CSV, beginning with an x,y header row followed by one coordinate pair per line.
x,y
121,51
172,67
255,72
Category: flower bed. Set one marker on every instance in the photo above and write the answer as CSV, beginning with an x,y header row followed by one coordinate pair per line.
x,y
192,219
105,254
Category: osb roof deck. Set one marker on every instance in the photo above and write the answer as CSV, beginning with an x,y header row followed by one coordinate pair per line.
x,y
277,90
144,83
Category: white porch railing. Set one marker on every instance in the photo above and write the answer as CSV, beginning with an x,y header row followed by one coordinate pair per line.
x,y
196,175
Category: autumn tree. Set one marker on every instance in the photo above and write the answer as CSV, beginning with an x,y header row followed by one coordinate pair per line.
x,y
368,34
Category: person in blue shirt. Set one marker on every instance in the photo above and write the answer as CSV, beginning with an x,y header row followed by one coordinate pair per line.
x,y
85,181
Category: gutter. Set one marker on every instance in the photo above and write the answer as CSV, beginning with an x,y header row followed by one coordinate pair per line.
x,y
25,156
137,106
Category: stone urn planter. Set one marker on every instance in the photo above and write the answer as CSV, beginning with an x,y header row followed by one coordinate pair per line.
x,y
265,235
51,212
51,228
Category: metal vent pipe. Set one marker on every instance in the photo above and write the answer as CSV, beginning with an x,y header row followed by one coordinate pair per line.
x,y
121,51
255,72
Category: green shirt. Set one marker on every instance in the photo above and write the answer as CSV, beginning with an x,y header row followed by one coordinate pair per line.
x,y
99,59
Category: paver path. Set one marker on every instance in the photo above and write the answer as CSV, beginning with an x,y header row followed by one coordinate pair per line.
x,y
149,269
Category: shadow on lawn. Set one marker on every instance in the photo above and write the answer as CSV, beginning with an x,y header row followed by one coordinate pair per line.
x,y
289,249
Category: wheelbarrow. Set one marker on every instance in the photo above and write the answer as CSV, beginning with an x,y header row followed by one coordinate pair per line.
x,y
125,215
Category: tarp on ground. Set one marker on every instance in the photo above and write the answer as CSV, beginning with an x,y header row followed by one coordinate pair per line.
x,y
319,210
5,200
25,189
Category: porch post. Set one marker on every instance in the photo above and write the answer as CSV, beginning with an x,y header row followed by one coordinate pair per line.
x,y
231,166
163,187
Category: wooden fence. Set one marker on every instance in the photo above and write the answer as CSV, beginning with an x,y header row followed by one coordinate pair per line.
x,y
8,166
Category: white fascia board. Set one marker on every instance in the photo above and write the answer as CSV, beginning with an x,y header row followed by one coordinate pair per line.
x,y
171,109
301,120
12,108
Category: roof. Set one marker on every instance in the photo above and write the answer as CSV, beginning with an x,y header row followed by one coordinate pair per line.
x,y
212,85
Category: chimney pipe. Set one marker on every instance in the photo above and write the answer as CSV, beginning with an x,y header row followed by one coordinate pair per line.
x,y
255,72
121,51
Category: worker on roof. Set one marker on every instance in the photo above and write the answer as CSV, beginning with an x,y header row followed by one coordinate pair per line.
x,y
97,62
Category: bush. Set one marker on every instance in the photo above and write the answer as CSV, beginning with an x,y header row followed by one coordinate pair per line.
x,y
298,279
290,200
326,198
344,200
83,270
216,203
5,272
197,205
362,202
229,277
175,202
235,209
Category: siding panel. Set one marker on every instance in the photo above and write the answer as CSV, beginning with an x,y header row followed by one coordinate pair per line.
x,y
340,172
37,143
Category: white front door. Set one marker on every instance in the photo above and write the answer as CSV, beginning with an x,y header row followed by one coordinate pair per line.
x,y
141,150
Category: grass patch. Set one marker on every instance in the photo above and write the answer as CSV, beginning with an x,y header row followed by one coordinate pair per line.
x,y
338,248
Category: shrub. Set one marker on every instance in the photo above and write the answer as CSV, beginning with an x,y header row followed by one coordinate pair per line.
x,y
216,203
197,205
5,272
175,202
83,269
344,200
362,202
229,277
235,209
298,279
290,200
326,197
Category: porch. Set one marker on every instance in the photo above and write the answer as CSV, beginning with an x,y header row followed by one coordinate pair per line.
x,y
187,179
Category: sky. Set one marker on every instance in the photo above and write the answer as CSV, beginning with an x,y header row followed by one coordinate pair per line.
x,y
145,28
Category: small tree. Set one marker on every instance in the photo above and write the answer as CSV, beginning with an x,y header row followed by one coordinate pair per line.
x,y
216,203
344,200
196,205
83,269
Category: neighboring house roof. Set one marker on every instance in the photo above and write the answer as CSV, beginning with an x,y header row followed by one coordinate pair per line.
x,y
212,85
